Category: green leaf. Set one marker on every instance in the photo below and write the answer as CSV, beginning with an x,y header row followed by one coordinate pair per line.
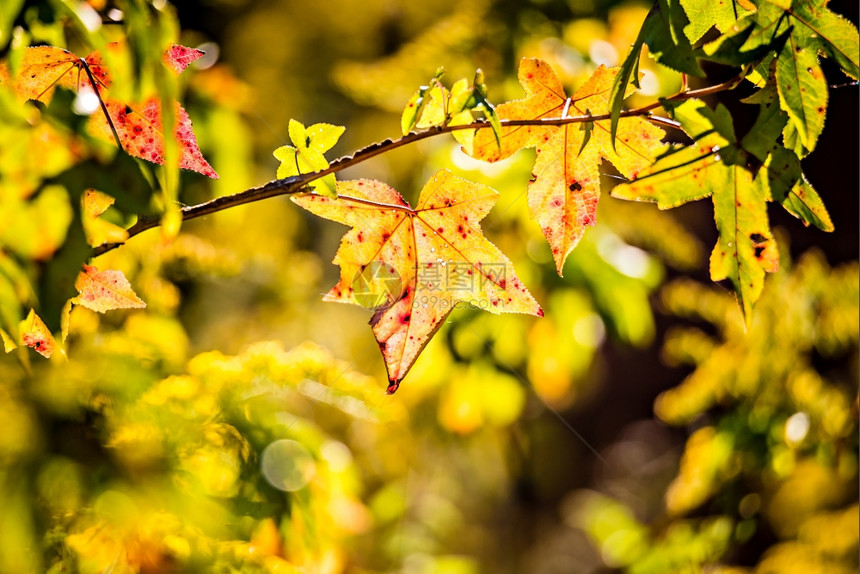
x,y
764,132
435,111
729,49
666,45
587,127
720,119
836,36
745,250
705,14
786,185
666,42
802,88
413,108
804,203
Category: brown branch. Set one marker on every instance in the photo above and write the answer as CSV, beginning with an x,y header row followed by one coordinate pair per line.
x,y
299,183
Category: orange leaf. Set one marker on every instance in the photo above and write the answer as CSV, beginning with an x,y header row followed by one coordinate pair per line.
x,y
105,290
138,124
34,333
565,187
413,266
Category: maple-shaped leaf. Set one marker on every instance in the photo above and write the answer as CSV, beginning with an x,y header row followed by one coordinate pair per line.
x,y
137,126
715,166
105,290
306,154
811,29
565,188
413,266
35,334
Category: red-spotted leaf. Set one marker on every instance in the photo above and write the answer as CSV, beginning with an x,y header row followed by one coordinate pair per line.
x,y
179,57
136,125
413,266
105,290
35,334
565,187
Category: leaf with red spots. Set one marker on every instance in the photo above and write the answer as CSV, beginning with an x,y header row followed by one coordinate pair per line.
x,y
105,290
179,57
716,166
565,188
413,266
35,334
137,125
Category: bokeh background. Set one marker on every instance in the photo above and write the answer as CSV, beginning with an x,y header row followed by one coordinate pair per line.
x,y
240,424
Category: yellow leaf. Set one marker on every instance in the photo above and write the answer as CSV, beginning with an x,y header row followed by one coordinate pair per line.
x,y
35,334
105,290
565,188
413,266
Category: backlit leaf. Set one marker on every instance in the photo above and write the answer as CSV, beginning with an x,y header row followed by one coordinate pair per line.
x,y
181,56
138,125
705,14
105,290
565,189
745,250
306,154
413,266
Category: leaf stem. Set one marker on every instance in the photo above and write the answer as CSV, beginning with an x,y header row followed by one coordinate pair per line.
x,y
299,183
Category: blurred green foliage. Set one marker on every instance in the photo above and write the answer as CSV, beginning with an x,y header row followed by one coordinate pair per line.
x,y
773,442
142,449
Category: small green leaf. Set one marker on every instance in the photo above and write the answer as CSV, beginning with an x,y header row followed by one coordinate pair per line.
x,y
804,203
764,132
787,186
413,108
667,46
666,41
587,127
435,111
802,89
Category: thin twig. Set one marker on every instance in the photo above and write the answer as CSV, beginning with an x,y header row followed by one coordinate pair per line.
x,y
299,183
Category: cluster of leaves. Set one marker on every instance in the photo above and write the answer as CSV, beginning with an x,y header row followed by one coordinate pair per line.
x,y
741,174
140,460
775,450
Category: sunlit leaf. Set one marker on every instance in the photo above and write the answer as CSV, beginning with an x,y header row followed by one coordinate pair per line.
x,y
565,188
413,266
105,290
